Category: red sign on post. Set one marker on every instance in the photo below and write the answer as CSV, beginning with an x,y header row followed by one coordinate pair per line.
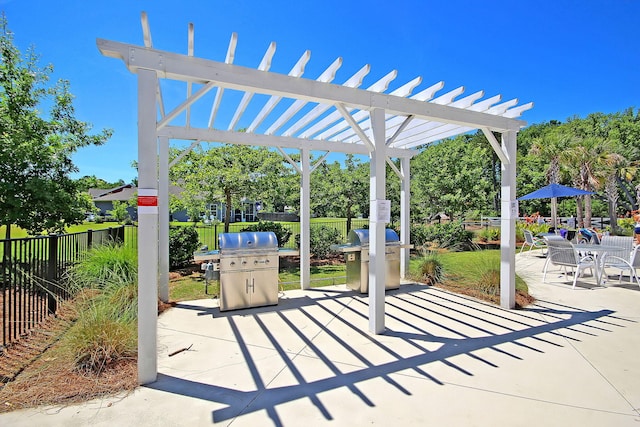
x,y
147,200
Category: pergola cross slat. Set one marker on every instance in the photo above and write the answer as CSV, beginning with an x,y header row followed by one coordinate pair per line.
x,y
318,116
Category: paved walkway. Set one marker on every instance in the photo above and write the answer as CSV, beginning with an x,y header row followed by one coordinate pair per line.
x,y
573,358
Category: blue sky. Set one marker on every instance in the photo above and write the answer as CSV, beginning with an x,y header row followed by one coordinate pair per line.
x,y
568,57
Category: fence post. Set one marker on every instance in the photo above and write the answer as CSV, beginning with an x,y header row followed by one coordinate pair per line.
x,y
119,235
52,270
89,238
215,236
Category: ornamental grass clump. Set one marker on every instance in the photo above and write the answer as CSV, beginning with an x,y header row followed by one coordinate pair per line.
x,y
103,266
106,288
431,269
484,275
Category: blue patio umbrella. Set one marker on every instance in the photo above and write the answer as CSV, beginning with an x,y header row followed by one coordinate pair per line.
x,y
554,190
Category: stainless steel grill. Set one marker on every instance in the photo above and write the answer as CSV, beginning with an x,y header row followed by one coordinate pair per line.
x,y
248,270
357,259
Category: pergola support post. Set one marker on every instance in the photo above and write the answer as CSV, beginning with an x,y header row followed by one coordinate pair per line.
x,y
377,269
405,197
509,214
163,220
147,228
305,215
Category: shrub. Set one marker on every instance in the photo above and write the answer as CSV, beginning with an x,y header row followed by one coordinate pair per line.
x,y
183,242
486,274
106,285
104,266
320,240
431,270
105,331
625,226
449,235
282,234
490,234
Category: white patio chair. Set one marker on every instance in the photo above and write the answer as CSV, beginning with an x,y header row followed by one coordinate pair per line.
x,y
561,253
532,242
623,263
624,242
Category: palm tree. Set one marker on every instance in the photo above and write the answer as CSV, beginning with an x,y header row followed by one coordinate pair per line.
x,y
592,159
550,147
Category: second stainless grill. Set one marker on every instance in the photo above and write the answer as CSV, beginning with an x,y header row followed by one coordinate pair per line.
x,y
248,270
357,259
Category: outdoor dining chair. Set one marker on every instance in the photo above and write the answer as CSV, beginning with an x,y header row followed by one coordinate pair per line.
x,y
588,235
561,253
623,263
532,242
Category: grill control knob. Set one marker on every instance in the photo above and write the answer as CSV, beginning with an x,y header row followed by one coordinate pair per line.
x,y
266,261
232,263
244,262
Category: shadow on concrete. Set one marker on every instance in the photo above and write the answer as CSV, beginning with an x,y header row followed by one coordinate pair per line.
x,y
416,315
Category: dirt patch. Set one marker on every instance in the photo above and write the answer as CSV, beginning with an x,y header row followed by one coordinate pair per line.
x,y
523,299
37,371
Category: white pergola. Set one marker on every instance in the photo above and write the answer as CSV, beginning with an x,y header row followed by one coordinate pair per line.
x,y
318,116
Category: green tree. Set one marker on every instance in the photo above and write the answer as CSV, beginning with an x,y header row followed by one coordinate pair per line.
x,y
92,181
454,176
36,191
550,146
119,211
341,191
229,173
591,160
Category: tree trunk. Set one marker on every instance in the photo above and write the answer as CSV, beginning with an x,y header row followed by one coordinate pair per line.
x,y
613,219
227,216
579,219
348,218
7,232
611,190
587,211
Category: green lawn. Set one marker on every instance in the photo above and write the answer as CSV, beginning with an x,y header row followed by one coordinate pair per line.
x,y
462,268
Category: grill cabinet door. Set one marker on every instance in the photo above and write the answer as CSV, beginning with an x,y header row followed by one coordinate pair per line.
x,y
263,288
234,290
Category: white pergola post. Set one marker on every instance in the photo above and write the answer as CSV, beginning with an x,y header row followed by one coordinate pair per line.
x,y
163,220
147,227
305,215
405,224
377,270
509,214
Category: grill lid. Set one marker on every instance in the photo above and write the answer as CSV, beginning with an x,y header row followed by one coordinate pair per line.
x,y
247,240
360,237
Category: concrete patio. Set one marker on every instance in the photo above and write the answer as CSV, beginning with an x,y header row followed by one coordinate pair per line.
x,y
445,359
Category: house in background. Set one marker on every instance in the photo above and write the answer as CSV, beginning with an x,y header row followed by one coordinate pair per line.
x,y
103,199
217,212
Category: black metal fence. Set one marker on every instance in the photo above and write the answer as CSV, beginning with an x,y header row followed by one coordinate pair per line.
x,y
31,275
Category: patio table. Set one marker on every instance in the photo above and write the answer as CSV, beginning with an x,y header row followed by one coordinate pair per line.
x,y
599,253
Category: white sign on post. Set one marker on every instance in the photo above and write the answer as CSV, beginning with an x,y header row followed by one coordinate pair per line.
x,y
383,211
514,209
